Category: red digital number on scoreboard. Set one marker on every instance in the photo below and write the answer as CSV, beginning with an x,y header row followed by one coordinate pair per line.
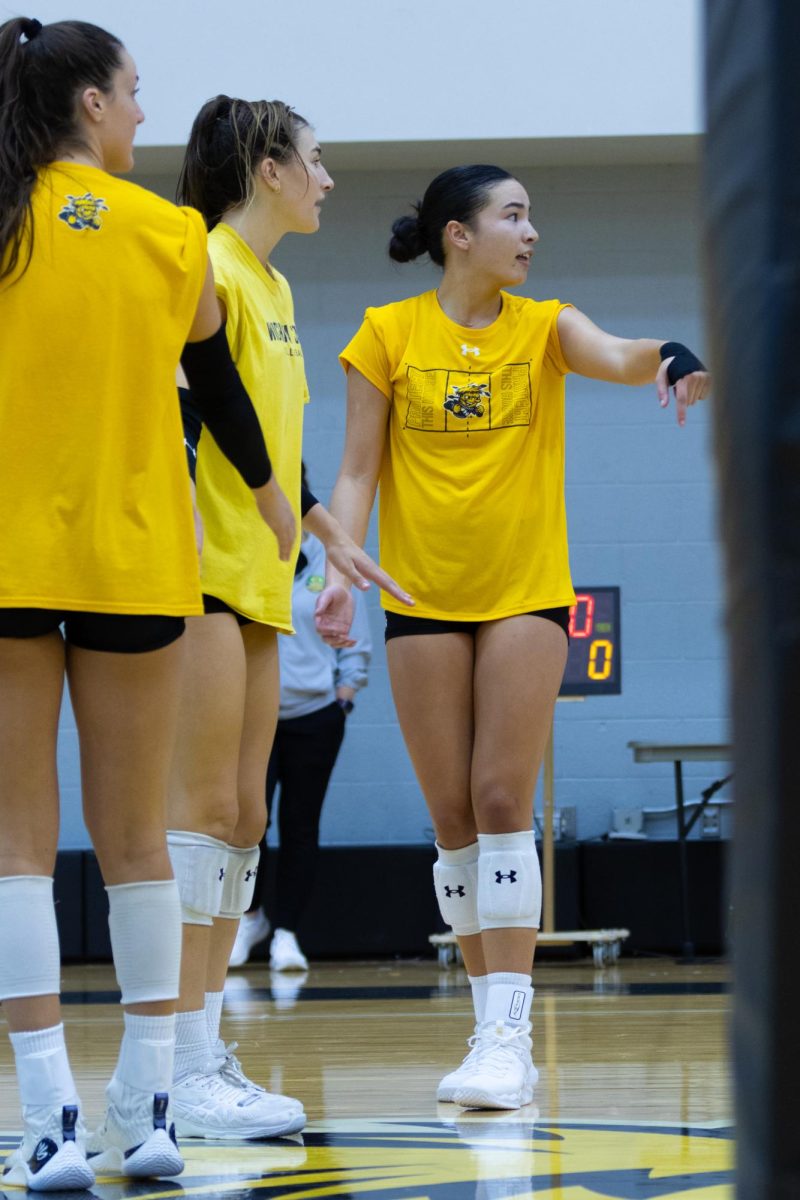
x,y
581,616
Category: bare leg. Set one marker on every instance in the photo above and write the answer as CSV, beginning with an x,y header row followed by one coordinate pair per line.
x,y
223,786
519,663
203,786
431,678
258,732
31,687
126,711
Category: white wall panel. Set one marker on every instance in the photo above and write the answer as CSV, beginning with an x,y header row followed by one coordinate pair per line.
x,y
415,70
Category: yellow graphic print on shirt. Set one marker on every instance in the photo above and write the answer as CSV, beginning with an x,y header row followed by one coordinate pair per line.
x,y
83,212
442,401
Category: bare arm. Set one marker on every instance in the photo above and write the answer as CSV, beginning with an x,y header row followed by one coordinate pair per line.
x,y
345,556
365,438
590,351
352,500
208,317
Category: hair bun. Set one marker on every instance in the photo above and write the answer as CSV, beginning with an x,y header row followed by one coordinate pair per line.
x,y
408,240
30,27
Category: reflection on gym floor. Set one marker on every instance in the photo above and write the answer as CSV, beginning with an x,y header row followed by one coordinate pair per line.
x,y
632,1102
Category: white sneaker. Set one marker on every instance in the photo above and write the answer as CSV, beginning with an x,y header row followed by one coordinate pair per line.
x,y
137,1138
501,1073
232,1071
223,1104
253,928
52,1154
285,954
445,1092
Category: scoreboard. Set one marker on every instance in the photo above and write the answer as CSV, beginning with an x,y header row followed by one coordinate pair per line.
x,y
594,663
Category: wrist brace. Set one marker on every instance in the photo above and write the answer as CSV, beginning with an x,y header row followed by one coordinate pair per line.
x,y
683,361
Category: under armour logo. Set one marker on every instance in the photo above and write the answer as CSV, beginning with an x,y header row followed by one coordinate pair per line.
x,y
511,876
456,891
248,876
473,350
221,874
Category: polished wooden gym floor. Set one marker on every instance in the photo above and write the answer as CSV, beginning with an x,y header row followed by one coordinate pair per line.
x,y
633,1100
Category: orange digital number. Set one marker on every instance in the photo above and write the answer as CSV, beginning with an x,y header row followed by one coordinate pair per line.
x,y
601,670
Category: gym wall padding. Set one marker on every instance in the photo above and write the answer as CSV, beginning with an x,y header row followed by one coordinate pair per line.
x,y
378,902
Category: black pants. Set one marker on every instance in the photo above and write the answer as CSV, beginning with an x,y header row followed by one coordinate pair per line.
x,y
303,757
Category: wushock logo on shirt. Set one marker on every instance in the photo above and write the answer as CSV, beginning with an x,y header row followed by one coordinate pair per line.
x,y
469,401
442,401
83,212
287,336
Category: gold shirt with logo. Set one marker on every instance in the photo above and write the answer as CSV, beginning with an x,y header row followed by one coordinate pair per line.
x,y
472,514
93,485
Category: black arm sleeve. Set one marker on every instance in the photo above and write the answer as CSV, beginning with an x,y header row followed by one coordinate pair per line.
x,y
307,500
220,399
192,428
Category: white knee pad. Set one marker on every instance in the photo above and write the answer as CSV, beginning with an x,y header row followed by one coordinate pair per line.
x,y
509,881
455,878
29,957
145,924
199,863
240,881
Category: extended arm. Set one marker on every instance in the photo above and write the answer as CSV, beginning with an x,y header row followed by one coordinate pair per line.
x,y
590,351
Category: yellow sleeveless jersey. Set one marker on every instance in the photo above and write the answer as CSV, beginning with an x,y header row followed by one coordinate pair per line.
x,y
472,515
93,486
240,562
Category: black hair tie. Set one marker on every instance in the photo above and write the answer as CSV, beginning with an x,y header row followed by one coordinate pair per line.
x,y
31,28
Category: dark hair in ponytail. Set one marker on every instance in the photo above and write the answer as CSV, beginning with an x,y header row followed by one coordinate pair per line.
x,y
456,195
40,81
229,139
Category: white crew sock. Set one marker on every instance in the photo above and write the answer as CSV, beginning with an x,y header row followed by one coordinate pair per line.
x,y
192,1045
43,1070
480,986
213,1015
508,998
147,1052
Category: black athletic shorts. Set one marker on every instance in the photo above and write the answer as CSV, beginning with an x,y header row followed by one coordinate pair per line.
x,y
117,633
405,625
212,605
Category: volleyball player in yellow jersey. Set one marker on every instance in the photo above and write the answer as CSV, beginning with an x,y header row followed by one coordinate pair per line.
x,y
456,406
101,284
254,170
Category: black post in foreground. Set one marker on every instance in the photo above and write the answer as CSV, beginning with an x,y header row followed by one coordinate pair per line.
x,y
752,215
